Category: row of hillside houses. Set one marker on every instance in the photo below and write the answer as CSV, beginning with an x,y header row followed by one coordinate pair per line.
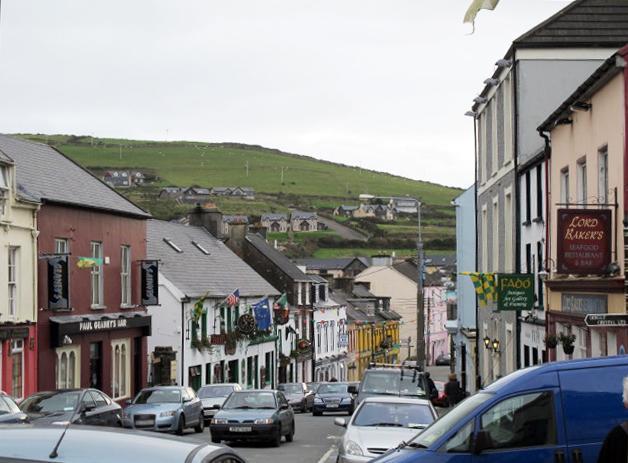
x,y
298,221
548,209
126,178
389,212
196,194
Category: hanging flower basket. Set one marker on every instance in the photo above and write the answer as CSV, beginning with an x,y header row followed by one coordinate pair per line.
x,y
304,344
551,341
281,316
568,342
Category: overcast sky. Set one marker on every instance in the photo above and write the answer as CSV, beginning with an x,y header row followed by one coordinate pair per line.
x,y
383,84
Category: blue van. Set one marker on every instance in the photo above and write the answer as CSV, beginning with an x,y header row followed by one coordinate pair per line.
x,y
554,413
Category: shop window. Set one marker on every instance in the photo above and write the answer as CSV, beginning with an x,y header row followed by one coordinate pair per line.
x,y
17,376
68,367
120,369
522,421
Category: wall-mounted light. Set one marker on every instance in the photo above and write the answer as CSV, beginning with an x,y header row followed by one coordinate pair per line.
x,y
487,342
496,345
613,269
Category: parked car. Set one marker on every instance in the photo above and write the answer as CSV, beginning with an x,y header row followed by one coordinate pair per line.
x,y
81,406
9,411
333,397
254,415
441,399
313,386
443,360
391,380
298,395
559,411
382,423
213,396
98,445
165,409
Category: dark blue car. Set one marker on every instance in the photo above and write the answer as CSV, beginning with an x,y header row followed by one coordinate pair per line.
x,y
559,412
333,397
9,411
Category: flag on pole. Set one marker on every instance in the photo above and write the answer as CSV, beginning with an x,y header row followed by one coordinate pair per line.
x,y
484,284
476,6
263,315
281,303
489,287
233,298
89,262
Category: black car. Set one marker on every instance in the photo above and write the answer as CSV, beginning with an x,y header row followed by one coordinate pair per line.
x,y
298,395
443,360
81,406
9,411
254,415
333,397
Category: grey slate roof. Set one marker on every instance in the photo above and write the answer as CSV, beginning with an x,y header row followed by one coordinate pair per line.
x,y
235,219
301,215
44,174
274,217
277,258
407,269
590,23
196,273
330,264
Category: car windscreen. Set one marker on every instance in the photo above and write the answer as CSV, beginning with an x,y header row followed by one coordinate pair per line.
x,y
7,406
47,404
291,388
210,392
158,396
332,388
396,415
393,383
244,400
462,411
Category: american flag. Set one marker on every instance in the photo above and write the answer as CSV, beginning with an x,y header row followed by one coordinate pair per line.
x,y
233,298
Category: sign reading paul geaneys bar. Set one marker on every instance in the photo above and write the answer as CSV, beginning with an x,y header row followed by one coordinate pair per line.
x,y
515,291
584,241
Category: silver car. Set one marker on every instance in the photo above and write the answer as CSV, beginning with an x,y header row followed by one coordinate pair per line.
x,y
165,409
382,423
213,396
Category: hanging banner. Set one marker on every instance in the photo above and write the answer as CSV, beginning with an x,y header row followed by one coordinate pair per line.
x,y
515,291
584,241
58,283
150,282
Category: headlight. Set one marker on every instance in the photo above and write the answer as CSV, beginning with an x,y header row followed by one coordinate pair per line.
x,y
168,413
218,421
265,421
351,448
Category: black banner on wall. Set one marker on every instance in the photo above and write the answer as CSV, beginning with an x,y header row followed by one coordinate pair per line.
x,y
58,283
150,282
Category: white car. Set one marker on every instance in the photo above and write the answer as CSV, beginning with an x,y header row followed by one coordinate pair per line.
x,y
382,423
213,396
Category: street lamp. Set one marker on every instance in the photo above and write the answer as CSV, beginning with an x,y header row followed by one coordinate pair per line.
x,y
420,328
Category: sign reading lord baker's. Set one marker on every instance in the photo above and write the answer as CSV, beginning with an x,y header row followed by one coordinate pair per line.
x,y
584,241
515,291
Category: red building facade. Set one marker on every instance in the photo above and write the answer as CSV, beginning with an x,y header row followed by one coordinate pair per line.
x,y
100,341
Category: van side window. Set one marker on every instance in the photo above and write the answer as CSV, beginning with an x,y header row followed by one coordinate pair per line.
x,y
461,441
522,421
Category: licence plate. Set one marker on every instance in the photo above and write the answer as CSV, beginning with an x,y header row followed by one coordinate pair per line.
x,y
332,405
144,423
240,429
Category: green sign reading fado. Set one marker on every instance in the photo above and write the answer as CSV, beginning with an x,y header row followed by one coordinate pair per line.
x,y
515,291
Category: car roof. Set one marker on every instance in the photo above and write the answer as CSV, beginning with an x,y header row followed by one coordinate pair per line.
x,y
269,391
396,400
220,384
161,388
96,445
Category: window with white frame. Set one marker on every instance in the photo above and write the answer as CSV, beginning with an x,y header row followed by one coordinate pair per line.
x,y
581,188
13,280
97,276
508,267
564,185
62,246
494,144
602,182
481,154
17,370
125,275
120,364
4,189
495,238
68,367
508,135
484,238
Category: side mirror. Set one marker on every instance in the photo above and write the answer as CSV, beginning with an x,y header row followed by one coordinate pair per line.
x,y
352,389
216,406
482,442
128,402
340,422
86,408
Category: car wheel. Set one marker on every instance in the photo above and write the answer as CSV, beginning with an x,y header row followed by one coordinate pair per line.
x,y
277,439
180,425
200,427
290,435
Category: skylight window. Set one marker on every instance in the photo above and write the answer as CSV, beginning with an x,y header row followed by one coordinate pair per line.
x,y
201,248
172,245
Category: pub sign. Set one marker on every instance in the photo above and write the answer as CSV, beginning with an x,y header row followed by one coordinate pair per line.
x,y
150,282
584,241
515,291
58,292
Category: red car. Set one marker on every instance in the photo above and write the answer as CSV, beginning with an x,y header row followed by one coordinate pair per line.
x,y
441,400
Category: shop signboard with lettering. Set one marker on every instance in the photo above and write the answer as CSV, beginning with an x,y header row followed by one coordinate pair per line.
x,y
58,284
515,291
607,320
584,303
150,282
584,241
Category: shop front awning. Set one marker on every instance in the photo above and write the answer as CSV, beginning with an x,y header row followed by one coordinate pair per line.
x,y
65,326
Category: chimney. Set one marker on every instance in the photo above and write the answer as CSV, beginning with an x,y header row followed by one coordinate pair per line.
x,y
382,260
237,235
208,217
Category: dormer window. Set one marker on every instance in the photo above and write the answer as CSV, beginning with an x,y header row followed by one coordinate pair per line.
x,y
169,242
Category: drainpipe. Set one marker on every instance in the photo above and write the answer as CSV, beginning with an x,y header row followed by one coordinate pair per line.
x,y
624,54
548,153
183,301
516,204
478,379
